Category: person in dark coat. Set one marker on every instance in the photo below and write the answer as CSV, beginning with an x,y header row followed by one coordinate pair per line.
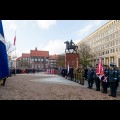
x,y
105,80
90,74
85,73
71,73
96,78
112,81
116,76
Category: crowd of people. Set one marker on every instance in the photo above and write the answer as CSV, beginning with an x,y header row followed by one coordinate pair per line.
x,y
110,78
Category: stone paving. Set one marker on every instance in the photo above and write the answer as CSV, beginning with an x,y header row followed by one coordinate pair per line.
x,y
42,86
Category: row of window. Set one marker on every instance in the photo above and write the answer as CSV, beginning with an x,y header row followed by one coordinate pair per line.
x,y
35,59
40,66
109,44
106,39
110,28
110,51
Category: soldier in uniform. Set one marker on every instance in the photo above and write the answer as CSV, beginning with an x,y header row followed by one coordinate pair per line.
x,y
78,74
105,79
96,78
112,81
90,77
75,74
85,73
82,76
116,76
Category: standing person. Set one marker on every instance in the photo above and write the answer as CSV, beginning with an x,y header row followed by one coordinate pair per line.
x,y
85,73
82,76
75,74
116,77
105,79
96,78
78,74
90,77
112,81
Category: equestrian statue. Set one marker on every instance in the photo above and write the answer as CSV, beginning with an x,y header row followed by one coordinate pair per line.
x,y
70,45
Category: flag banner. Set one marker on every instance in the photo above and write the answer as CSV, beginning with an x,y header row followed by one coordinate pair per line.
x,y
99,70
14,40
68,68
4,67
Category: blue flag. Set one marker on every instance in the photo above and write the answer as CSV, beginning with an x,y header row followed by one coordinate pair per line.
x,y
4,68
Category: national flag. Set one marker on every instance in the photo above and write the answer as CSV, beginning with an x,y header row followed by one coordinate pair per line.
x,y
99,70
68,68
14,40
4,67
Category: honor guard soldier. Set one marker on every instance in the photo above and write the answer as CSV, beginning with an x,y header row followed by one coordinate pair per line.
x,y
96,78
78,74
82,76
112,81
116,76
105,79
75,74
90,77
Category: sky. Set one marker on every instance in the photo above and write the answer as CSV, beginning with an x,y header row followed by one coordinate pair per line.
x,y
48,35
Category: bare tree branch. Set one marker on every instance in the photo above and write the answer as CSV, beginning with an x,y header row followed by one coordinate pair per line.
x,y
85,54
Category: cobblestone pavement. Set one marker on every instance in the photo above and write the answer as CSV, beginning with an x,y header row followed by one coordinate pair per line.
x,y
48,87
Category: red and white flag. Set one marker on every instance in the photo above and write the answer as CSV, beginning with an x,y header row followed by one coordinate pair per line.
x,y
100,70
14,40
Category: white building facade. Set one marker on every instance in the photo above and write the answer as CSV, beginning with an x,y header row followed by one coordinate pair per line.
x,y
105,43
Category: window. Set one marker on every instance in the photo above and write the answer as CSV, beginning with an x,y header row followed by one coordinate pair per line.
x,y
32,59
113,50
116,49
113,42
38,59
35,59
103,53
116,42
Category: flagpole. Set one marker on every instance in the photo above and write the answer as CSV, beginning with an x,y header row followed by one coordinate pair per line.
x,y
15,53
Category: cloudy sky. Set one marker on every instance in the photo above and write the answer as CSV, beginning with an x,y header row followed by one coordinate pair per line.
x,y
48,35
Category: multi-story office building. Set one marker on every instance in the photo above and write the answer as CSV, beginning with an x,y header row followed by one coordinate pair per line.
x,y
39,59
53,61
35,59
105,43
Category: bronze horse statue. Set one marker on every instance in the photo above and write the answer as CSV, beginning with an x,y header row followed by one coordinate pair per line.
x,y
70,45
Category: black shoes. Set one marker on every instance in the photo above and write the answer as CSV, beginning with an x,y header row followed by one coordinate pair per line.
x,y
97,89
104,92
112,95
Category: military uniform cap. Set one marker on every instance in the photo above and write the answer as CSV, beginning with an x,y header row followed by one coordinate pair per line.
x,y
111,65
105,65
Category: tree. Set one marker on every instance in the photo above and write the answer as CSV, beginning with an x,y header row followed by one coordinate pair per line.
x,y
9,48
85,54
61,60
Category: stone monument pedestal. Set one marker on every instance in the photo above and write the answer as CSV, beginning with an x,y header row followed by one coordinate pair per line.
x,y
72,59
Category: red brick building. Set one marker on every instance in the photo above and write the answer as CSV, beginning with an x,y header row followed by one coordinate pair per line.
x,y
39,59
53,61
18,62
